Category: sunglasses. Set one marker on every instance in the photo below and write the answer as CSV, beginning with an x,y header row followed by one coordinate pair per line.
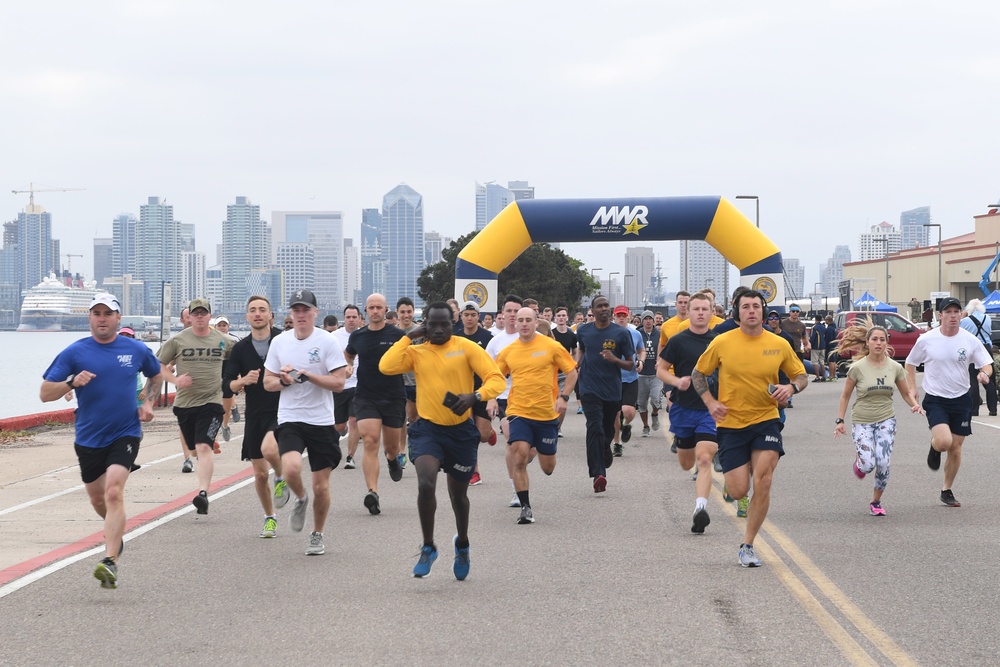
x,y
773,317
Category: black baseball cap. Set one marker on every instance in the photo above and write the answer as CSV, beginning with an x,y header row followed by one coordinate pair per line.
x,y
302,297
947,302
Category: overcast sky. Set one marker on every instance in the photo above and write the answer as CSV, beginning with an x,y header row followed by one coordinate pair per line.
x,y
837,115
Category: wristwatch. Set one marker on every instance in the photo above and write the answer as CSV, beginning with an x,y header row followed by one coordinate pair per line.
x,y
479,397
564,397
70,379
838,420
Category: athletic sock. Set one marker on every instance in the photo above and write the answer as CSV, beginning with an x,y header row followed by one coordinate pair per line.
x,y
700,503
523,497
462,545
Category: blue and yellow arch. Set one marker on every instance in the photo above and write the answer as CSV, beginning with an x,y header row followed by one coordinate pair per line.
x,y
711,219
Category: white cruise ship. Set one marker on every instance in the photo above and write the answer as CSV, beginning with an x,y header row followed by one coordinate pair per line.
x,y
53,306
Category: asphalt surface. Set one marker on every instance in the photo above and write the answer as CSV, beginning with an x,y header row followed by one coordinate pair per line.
x,y
613,578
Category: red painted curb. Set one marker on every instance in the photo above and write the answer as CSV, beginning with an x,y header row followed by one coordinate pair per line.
x,y
67,416
17,571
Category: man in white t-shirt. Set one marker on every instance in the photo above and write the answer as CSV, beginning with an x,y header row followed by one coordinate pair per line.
x,y
343,401
498,406
946,353
306,365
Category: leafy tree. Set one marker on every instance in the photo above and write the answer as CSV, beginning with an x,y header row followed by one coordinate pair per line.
x,y
541,272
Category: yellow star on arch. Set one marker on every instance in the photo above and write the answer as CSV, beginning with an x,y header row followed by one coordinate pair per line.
x,y
634,227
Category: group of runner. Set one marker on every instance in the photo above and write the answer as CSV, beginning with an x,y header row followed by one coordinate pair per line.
x,y
440,384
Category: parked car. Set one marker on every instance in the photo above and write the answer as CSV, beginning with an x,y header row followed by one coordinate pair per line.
x,y
902,332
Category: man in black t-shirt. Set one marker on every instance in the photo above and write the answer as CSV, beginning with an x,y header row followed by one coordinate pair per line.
x,y
567,338
690,420
379,400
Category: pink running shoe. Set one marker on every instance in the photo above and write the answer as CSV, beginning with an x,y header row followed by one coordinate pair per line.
x,y
876,509
857,470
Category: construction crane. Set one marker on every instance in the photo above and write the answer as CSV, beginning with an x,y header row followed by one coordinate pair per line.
x,y
32,190
69,262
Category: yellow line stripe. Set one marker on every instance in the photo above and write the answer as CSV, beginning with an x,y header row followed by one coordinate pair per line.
x,y
865,625
847,645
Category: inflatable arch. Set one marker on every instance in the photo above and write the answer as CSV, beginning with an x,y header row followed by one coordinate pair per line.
x,y
711,219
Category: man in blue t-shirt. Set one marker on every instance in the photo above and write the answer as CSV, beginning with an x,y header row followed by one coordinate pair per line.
x,y
102,369
604,350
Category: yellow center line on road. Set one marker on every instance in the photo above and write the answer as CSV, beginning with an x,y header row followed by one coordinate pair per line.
x,y
826,622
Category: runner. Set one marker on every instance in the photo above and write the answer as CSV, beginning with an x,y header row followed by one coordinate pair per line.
x,y
690,421
873,421
605,349
404,305
306,365
102,370
630,383
567,338
379,400
481,337
649,385
230,411
443,436
946,353
344,417
198,355
533,362
498,407
243,372
746,411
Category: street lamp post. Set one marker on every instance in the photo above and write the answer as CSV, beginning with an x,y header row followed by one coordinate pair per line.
x,y
938,225
593,276
756,199
625,281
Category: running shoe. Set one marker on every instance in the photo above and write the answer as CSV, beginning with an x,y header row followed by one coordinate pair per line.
x,y
475,480
560,433
933,459
227,433
234,414
401,458
579,410
673,446
315,547
747,556
600,484
526,516
270,528
188,466
857,470
281,493
493,437
299,514
200,502
395,470
948,498
699,521
716,465
645,431
462,561
626,432
876,509
725,493
515,501
371,502
349,463
619,450
107,573
216,448
428,554
654,421
742,507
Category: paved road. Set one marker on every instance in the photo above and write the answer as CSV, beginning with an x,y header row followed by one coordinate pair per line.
x,y
615,578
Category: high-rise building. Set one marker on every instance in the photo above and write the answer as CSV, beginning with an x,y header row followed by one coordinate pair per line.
x,y
188,243
832,273
268,283
352,274
795,278
34,240
434,244
297,262
490,200
123,244
103,259
402,240
244,247
883,238
911,226
703,266
521,190
639,271
192,283
157,250
611,288
131,294
324,232
372,273
213,287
